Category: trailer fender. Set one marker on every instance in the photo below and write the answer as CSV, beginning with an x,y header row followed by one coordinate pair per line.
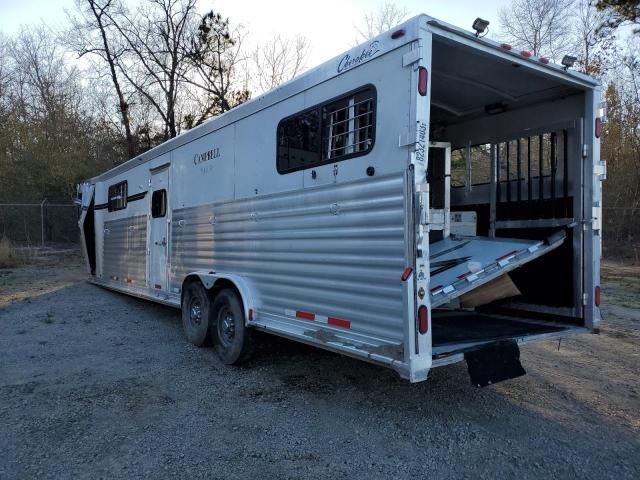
x,y
244,286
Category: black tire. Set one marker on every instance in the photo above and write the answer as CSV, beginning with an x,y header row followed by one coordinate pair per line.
x,y
196,314
231,338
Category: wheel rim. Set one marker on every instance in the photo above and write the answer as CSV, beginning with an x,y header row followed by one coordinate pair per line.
x,y
226,326
195,312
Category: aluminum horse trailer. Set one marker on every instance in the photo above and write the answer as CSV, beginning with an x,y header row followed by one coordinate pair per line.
x,y
428,197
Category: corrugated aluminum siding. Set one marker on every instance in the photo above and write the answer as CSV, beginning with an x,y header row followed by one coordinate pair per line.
x,y
125,249
336,250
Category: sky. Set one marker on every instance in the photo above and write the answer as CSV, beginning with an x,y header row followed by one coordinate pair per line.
x,y
328,24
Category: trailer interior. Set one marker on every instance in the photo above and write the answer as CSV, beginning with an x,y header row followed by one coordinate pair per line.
x,y
510,263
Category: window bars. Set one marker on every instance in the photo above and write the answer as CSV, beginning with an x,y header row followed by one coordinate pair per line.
x,y
348,127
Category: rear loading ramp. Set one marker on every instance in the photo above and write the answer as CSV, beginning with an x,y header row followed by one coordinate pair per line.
x,y
461,264
489,343
459,331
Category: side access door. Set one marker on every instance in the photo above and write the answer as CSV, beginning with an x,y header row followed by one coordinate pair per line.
x,y
159,229
86,223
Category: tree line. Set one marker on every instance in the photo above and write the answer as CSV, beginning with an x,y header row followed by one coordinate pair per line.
x,y
119,80
604,36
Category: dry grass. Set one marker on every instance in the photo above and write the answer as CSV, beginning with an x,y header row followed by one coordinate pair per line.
x,y
8,257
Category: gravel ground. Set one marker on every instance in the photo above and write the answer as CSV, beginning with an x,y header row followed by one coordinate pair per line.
x,y
96,384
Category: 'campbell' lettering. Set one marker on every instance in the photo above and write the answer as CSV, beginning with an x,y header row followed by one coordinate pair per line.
x,y
206,156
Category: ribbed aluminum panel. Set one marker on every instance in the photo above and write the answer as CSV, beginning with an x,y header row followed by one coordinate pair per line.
x,y
125,250
336,250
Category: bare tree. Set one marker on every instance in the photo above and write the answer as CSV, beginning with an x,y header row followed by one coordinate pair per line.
x,y
47,84
215,56
92,33
46,148
280,59
620,12
378,21
541,26
156,36
595,46
629,74
4,71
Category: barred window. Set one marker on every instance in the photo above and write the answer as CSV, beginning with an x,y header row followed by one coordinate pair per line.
x,y
327,133
348,125
118,196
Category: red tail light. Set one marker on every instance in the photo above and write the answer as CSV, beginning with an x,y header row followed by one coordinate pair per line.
x,y
598,127
597,296
423,75
423,320
406,274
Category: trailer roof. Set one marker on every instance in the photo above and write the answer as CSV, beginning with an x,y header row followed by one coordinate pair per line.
x,y
346,61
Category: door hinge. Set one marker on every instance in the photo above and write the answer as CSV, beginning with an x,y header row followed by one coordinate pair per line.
x,y
585,299
412,57
585,150
423,204
408,137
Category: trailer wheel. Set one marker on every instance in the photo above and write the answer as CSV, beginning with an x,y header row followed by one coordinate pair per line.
x,y
196,314
231,338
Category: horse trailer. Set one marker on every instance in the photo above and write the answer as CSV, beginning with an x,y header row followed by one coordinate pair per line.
x,y
428,197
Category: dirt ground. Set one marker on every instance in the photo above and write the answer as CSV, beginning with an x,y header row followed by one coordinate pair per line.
x,y
94,384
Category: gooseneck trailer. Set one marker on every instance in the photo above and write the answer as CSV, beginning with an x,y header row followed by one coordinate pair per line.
x,y
428,197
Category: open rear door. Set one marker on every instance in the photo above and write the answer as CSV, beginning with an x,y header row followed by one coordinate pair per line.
x,y
462,264
87,226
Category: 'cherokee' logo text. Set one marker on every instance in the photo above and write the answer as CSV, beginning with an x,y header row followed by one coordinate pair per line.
x,y
348,61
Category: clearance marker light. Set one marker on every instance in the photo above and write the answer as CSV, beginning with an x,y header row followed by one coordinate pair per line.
x,y
423,320
423,75
406,274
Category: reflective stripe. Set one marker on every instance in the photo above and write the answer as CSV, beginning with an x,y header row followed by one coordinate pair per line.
x,y
302,315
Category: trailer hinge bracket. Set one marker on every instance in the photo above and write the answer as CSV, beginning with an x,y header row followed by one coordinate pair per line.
x,y
408,138
412,57
585,150
585,299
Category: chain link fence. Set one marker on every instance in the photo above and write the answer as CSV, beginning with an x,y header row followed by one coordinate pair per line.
x,y
621,233
31,224
46,223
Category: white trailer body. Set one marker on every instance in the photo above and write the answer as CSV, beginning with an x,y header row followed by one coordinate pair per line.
x,y
328,207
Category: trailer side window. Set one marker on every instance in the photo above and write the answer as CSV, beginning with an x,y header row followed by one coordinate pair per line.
x,y
159,203
333,131
299,141
347,125
117,196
